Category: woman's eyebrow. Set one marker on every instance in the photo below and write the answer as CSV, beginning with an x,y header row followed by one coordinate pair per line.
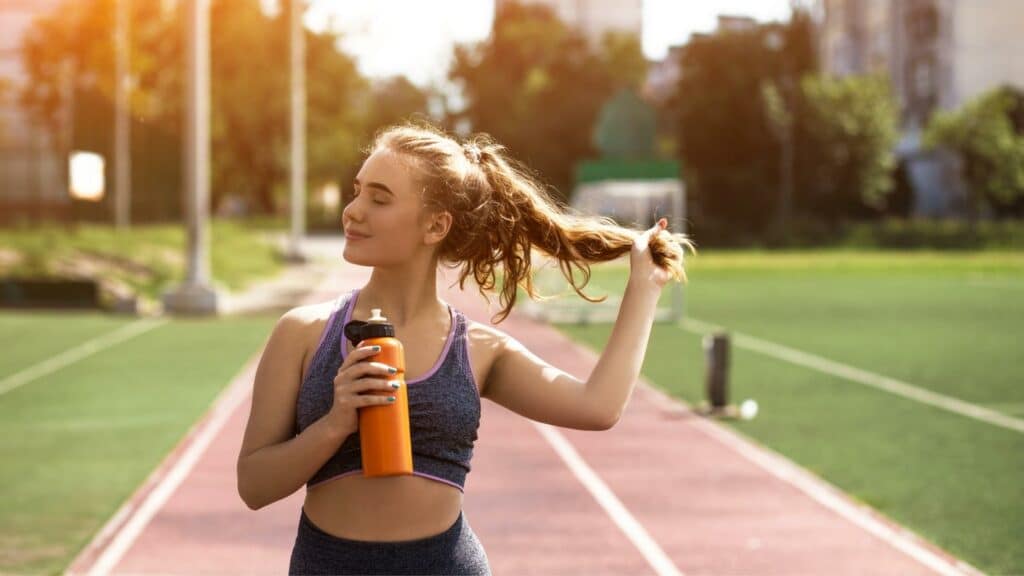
x,y
376,185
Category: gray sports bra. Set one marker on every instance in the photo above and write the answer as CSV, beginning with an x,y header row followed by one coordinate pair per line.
x,y
444,405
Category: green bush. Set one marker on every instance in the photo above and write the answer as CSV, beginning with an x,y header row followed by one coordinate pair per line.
x,y
935,234
889,233
143,261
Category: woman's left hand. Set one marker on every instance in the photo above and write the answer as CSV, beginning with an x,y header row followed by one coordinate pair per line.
x,y
641,265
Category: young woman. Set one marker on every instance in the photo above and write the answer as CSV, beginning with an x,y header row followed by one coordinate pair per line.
x,y
422,199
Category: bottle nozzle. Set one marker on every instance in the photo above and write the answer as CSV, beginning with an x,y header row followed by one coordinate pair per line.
x,y
375,316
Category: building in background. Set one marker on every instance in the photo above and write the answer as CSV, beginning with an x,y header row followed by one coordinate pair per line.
x,y
32,169
663,75
938,54
593,17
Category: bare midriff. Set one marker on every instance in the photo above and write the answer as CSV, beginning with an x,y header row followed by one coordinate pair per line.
x,y
391,508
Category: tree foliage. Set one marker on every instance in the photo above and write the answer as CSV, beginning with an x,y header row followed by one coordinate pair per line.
x,y
745,94
537,86
728,147
851,130
250,94
988,134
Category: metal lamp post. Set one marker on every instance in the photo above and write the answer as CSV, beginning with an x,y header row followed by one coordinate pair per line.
x,y
195,295
122,117
298,134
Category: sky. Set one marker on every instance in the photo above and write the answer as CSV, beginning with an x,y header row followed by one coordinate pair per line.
x,y
418,44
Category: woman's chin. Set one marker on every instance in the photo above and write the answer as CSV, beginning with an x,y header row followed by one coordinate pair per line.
x,y
351,258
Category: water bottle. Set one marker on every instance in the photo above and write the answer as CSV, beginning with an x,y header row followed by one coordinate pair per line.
x,y
384,436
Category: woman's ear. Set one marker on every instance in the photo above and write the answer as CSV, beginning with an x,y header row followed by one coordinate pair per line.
x,y
438,227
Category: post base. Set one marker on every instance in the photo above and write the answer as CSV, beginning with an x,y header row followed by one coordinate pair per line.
x,y
191,300
727,412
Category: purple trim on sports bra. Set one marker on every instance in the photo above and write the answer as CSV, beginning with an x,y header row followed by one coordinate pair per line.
x,y
327,328
440,359
359,471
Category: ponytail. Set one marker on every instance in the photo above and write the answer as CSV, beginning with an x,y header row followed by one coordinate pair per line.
x,y
501,212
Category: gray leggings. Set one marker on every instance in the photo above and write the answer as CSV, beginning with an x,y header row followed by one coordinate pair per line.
x,y
454,551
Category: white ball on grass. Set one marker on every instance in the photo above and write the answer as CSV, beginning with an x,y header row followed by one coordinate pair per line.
x,y
748,409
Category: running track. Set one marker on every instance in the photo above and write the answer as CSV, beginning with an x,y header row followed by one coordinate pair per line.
x,y
663,492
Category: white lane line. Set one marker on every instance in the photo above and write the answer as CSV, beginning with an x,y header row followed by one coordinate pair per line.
x,y
203,432
83,350
830,496
891,385
814,486
629,525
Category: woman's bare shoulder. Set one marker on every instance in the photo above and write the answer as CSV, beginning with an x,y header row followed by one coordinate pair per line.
x,y
485,335
314,311
308,317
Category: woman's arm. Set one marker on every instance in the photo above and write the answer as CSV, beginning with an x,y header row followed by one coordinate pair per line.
x,y
618,369
273,463
529,386
613,379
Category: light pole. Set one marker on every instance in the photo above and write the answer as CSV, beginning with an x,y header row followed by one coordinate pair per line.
x,y
779,101
298,134
786,209
195,295
122,127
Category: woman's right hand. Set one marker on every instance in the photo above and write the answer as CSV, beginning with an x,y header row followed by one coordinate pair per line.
x,y
357,375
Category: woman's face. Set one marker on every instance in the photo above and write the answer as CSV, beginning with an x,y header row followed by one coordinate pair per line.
x,y
383,221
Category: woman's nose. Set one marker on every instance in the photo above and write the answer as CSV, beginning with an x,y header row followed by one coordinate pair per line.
x,y
350,213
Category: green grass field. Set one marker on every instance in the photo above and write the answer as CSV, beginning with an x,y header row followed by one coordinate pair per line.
x,y
76,443
948,323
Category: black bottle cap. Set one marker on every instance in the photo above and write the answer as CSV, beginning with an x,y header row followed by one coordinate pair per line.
x,y
353,331
376,330
377,327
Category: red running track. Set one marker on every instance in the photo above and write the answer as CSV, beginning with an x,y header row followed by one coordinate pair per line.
x,y
675,494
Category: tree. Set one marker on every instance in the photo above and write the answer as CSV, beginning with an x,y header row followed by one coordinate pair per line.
x,y
249,91
626,127
623,56
726,141
69,60
389,101
250,104
537,87
6,88
395,99
988,134
851,127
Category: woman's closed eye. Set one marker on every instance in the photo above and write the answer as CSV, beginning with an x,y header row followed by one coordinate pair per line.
x,y
355,194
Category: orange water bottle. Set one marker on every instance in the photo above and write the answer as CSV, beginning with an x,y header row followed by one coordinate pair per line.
x,y
384,437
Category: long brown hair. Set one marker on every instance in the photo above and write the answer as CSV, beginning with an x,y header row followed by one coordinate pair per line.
x,y
501,211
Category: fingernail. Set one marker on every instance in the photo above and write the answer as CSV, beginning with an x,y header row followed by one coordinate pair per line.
x,y
376,348
392,369
396,385
391,398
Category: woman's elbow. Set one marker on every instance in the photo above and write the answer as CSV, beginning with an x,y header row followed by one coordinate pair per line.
x,y
245,490
250,501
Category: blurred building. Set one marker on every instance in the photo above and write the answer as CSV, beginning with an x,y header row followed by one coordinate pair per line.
x,y
32,172
728,23
938,54
663,76
593,17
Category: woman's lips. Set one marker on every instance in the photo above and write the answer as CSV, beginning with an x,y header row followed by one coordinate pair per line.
x,y
351,236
